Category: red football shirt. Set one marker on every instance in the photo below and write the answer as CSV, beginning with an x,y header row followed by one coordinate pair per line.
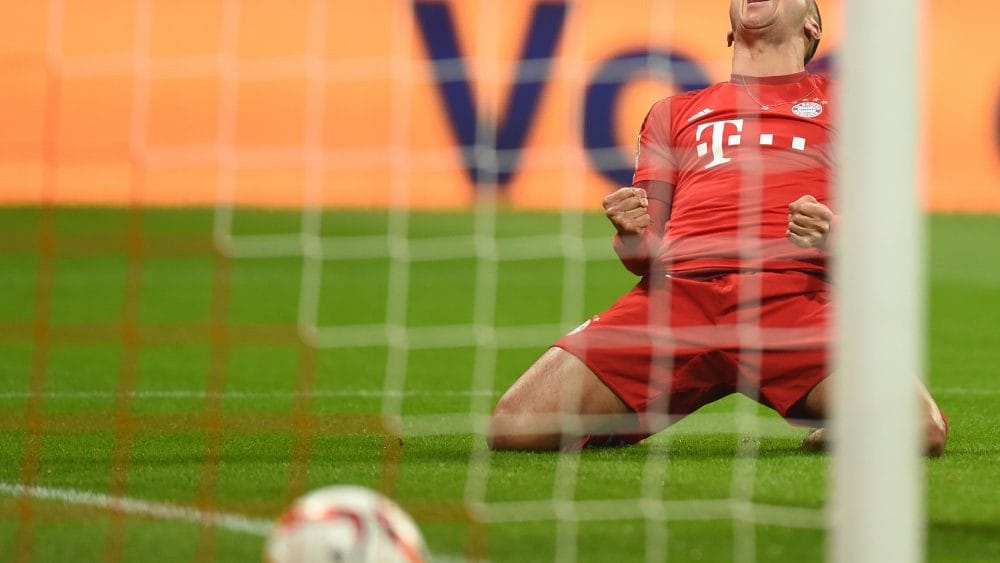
x,y
738,153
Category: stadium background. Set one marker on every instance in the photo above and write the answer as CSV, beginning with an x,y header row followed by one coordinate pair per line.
x,y
249,89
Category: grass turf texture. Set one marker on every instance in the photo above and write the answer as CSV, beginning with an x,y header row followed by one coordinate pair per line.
x,y
255,467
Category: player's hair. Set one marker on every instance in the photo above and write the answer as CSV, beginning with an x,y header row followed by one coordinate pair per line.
x,y
814,44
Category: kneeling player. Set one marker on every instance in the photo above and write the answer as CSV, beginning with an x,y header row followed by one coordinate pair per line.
x,y
727,223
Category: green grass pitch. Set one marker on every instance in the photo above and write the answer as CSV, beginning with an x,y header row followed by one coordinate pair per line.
x,y
89,279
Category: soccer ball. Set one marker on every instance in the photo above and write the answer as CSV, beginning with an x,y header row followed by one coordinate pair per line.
x,y
345,524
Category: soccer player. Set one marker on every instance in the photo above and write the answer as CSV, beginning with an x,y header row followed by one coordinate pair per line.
x,y
728,223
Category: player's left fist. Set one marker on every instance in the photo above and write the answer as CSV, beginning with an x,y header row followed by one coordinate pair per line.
x,y
809,222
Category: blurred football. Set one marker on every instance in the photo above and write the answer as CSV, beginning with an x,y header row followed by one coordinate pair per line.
x,y
345,524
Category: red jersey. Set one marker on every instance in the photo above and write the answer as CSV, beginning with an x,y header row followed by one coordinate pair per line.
x,y
737,154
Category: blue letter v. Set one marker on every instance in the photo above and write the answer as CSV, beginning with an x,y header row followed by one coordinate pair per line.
x,y
490,150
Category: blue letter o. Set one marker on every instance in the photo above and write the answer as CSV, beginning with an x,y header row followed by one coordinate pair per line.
x,y
603,90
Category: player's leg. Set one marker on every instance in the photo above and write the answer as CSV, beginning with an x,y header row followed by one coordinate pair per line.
x,y
619,377
816,405
535,412
794,372
561,399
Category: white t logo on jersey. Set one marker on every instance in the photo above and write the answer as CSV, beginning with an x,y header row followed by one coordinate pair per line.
x,y
721,139
718,136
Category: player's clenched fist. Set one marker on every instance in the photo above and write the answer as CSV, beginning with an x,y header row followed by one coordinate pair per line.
x,y
626,208
809,222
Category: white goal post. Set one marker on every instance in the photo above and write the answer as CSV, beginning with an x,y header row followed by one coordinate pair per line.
x,y
876,501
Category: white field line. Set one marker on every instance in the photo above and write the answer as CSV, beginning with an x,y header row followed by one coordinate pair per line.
x,y
196,394
158,510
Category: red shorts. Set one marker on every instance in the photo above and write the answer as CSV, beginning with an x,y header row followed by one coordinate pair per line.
x,y
687,342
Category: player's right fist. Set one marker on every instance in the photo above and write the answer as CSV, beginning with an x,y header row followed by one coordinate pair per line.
x,y
626,209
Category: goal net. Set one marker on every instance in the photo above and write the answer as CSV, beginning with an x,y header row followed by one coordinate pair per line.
x,y
259,247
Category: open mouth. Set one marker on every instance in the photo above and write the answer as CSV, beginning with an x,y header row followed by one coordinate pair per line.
x,y
756,1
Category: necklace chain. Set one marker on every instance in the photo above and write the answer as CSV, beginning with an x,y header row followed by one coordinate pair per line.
x,y
766,107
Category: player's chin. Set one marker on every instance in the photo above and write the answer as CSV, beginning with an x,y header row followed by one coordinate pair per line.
x,y
757,14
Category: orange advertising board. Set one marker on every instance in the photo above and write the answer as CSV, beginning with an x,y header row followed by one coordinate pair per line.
x,y
386,102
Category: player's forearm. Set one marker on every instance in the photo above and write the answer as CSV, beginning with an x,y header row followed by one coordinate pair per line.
x,y
636,252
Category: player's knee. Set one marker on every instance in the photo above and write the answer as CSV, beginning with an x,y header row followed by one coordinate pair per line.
x,y
937,437
510,428
506,437
499,434
500,442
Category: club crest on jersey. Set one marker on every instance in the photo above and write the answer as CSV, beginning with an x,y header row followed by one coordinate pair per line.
x,y
807,109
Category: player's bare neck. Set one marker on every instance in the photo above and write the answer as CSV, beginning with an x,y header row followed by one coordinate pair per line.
x,y
767,59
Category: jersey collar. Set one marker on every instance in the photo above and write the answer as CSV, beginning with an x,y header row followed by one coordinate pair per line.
x,y
783,79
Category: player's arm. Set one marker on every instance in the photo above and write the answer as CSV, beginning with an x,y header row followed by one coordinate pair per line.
x,y
810,223
639,215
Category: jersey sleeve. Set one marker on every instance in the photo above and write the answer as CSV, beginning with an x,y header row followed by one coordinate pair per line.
x,y
654,157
